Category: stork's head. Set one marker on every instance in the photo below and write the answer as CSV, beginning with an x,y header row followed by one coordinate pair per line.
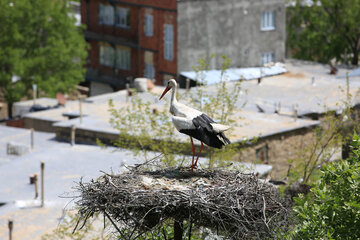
x,y
171,84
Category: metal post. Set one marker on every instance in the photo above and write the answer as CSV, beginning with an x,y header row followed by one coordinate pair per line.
x,y
36,186
34,86
32,138
187,84
178,230
11,226
296,107
73,128
127,91
313,81
42,183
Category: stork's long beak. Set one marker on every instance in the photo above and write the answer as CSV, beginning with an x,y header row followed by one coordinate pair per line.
x,y
165,91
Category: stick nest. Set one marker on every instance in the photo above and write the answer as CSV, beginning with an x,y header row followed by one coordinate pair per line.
x,y
236,205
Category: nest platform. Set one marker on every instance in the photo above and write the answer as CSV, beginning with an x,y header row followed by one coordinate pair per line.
x,y
235,205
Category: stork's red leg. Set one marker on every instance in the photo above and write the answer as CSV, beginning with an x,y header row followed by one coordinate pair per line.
x,y
197,159
193,152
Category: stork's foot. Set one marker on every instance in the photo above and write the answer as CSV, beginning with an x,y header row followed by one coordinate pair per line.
x,y
193,166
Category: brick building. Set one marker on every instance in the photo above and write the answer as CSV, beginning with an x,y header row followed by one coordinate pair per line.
x,y
129,39
158,39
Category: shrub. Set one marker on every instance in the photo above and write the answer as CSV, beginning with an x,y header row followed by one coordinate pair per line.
x,y
332,210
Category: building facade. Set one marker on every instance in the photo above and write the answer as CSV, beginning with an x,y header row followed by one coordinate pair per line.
x,y
249,32
158,39
129,39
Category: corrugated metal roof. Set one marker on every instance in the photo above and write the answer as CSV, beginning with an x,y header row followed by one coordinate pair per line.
x,y
353,73
233,74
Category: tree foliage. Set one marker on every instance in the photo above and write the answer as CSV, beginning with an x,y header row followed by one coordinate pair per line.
x,y
40,44
332,211
325,30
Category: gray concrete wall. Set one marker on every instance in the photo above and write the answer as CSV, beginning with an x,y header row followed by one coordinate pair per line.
x,y
41,125
230,27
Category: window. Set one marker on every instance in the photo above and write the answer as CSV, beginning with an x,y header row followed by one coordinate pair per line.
x,y
262,155
149,65
149,71
267,58
111,57
122,17
168,41
148,28
123,57
268,21
106,14
107,55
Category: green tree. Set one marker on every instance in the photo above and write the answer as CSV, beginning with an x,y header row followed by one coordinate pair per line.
x,y
40,44
332,210
326,30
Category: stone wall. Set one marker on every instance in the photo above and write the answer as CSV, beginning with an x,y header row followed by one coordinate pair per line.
x,y
280,149
85,135
42,125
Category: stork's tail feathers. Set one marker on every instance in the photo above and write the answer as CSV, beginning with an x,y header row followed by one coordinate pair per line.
x,y
224,139
217,127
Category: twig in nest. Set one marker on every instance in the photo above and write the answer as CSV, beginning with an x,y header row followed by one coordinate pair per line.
x,y
148,161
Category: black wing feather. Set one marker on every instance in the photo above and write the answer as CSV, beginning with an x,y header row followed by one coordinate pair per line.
x,y
204,132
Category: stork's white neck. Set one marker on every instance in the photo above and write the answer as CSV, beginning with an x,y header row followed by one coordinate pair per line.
x,y
173,100
173,95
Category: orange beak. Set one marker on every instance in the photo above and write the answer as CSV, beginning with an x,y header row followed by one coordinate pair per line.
x,y
165,91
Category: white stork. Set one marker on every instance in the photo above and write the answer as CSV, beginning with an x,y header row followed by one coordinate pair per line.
x,y
196,124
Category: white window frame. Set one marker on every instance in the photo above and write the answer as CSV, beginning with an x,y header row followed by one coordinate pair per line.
x,y
106,14
168,42
123,58
107,55
122,15
268,21
149,25
267,58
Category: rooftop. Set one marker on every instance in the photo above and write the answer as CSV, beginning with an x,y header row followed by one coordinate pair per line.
x,y
250,124
305,85
65,165
234,74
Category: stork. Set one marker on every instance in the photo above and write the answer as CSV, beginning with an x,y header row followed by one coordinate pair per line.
x,y
195,124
